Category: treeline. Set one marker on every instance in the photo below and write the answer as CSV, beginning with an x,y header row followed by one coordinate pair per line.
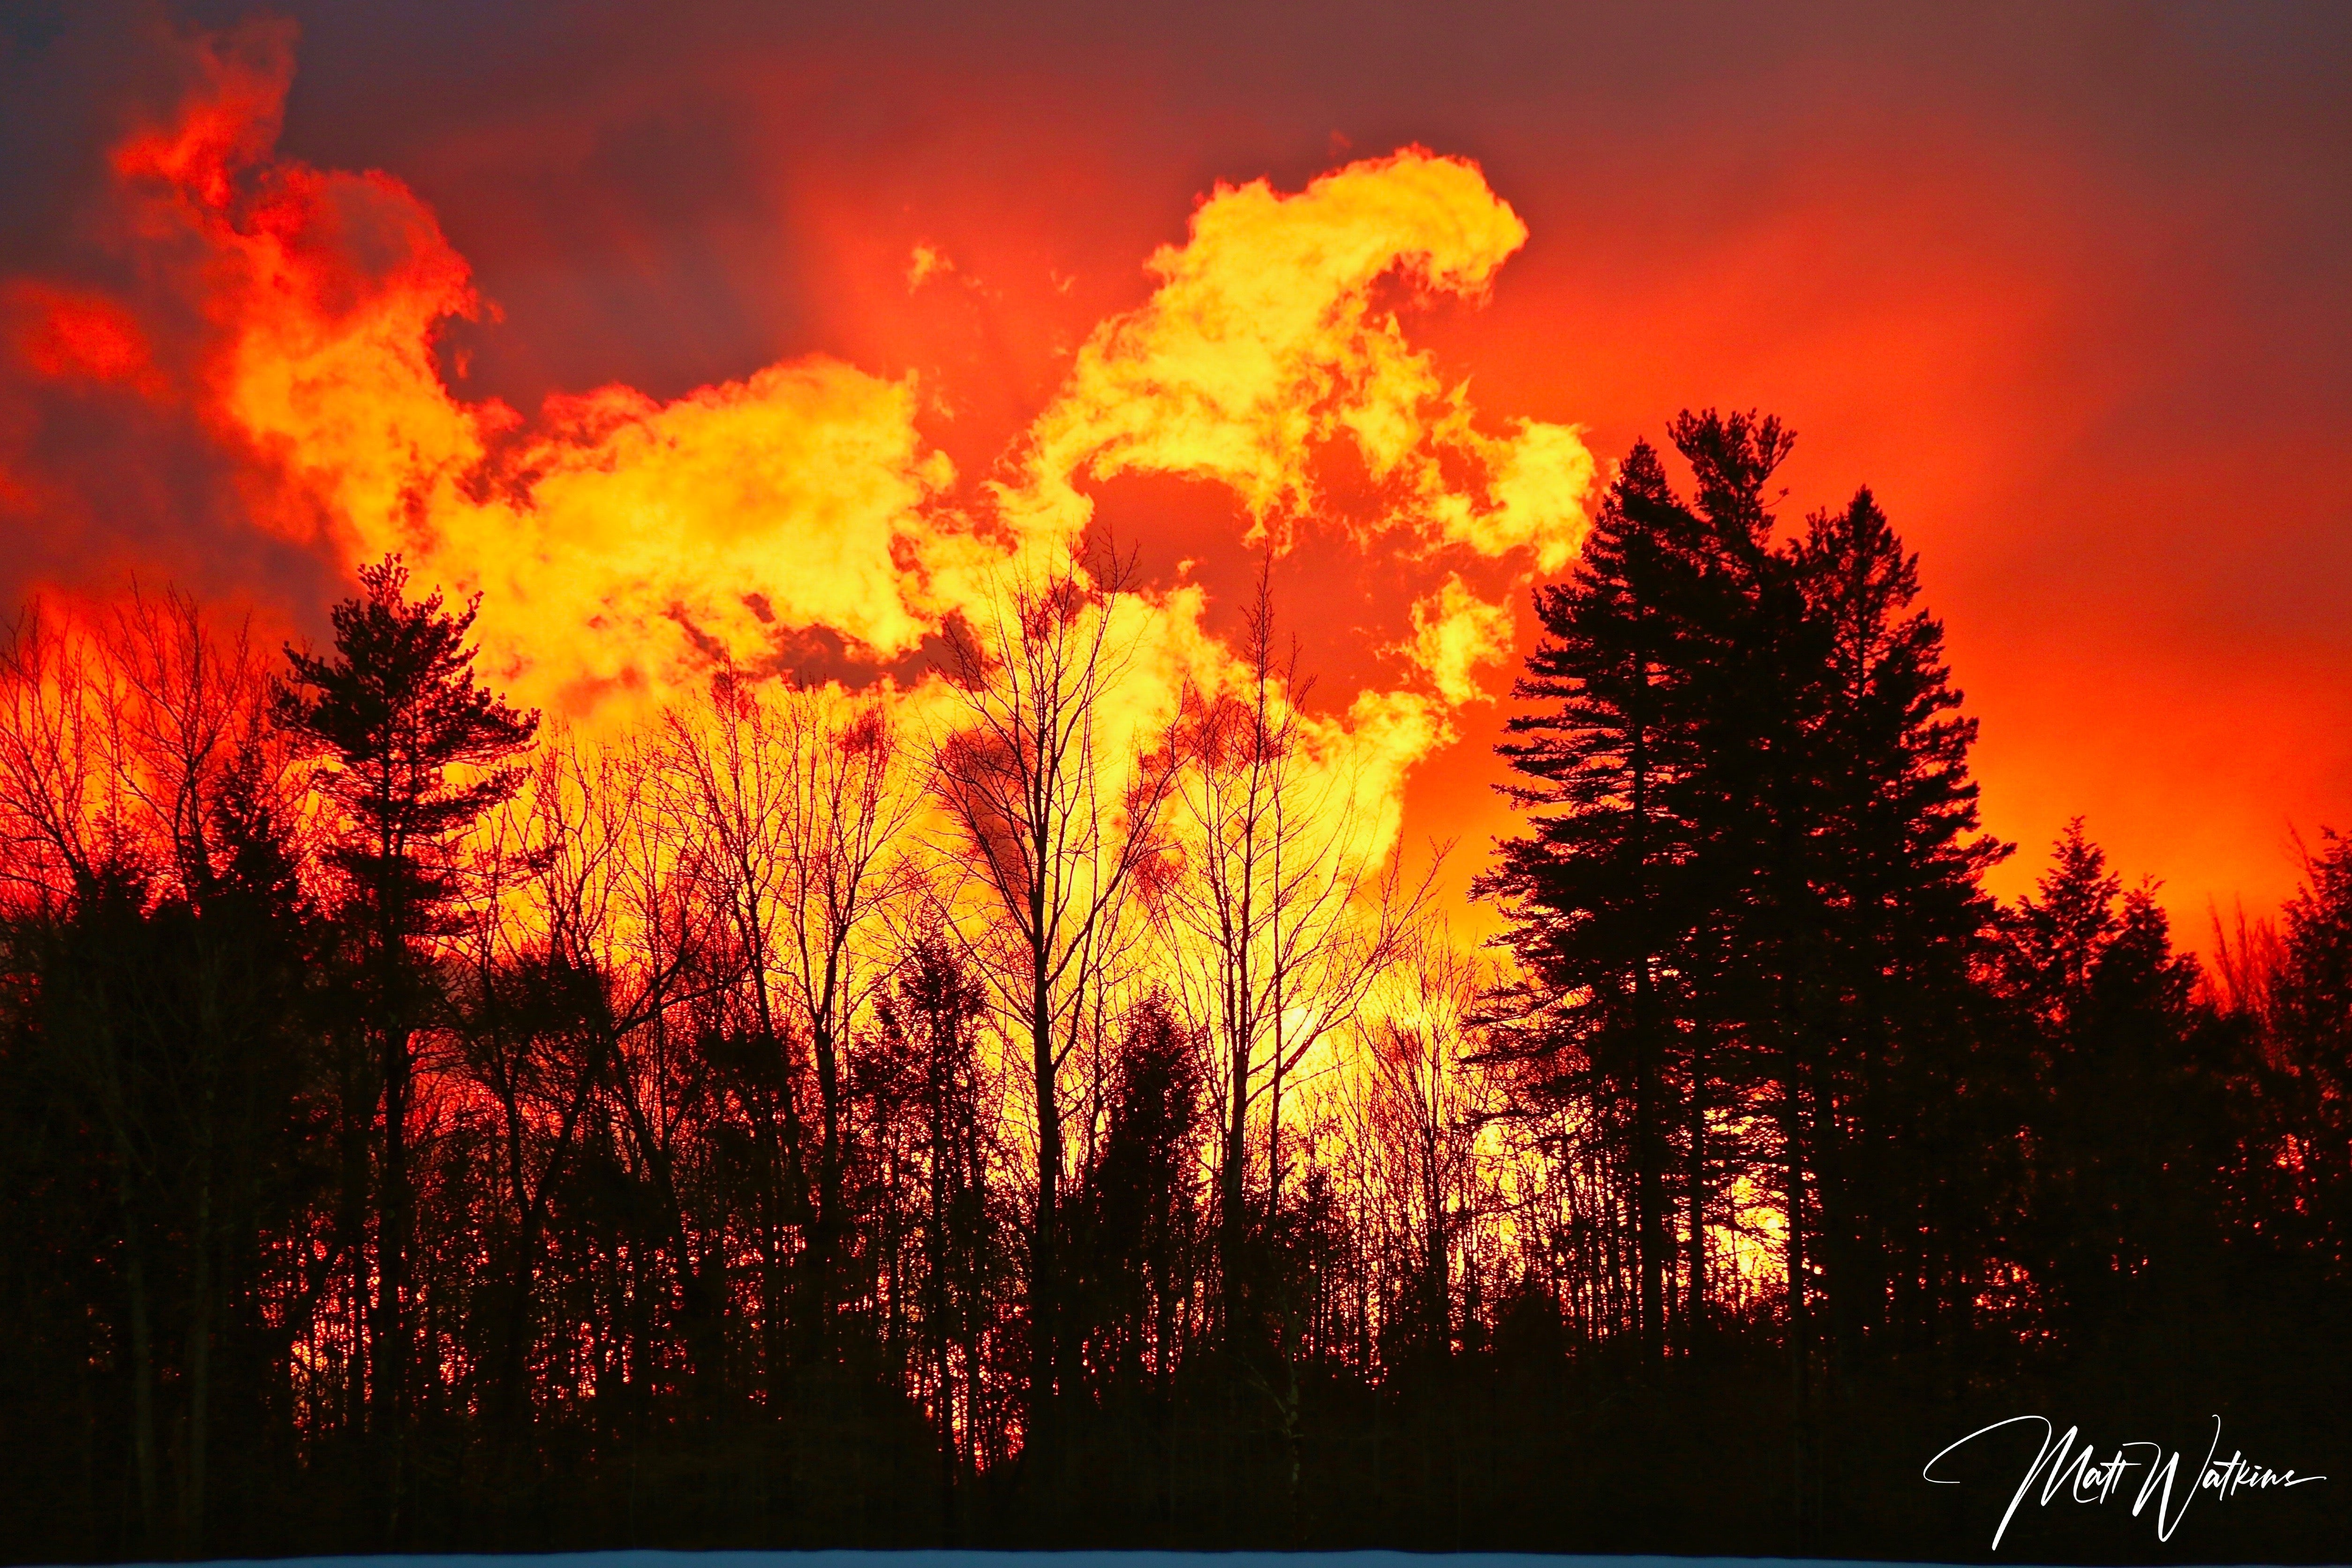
x,y
961,1117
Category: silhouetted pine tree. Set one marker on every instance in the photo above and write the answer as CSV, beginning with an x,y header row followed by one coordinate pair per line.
x,y
2134,1095
1605,912
1897,863
2028,1158
1138,1213
1753,796
1755,854
394,709
2313,1053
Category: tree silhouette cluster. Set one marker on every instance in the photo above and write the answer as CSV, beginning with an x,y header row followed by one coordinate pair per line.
x,y
784,1125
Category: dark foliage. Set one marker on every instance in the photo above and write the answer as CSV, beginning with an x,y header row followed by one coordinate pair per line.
x,y
342,1209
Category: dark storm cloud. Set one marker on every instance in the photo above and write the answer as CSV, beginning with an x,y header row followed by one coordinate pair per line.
x,y
607,121
106,481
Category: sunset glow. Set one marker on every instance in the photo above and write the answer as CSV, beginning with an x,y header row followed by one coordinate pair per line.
x,y
626,546
1514,778
1351,362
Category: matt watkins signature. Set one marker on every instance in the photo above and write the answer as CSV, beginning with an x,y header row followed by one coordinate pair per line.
x,y
2086,1479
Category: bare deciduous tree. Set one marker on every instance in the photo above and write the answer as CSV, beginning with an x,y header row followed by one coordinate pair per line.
x,y
802,798
1425,1099
1283,921
1055,801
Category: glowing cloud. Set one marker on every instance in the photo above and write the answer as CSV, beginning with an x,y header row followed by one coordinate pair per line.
x,y
627,546
1264,342
1455,632
624,544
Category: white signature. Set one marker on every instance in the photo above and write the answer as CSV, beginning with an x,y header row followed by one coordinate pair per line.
x,y
2086,1477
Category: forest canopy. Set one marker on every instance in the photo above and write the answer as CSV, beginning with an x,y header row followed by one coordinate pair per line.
x,y
811,1117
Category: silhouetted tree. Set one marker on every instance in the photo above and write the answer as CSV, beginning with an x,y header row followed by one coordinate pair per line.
x,y
1136,1228
2312,1055
164,976
2135,1092
394,709
1896,861
931,1076
1751,908
1599,893
692,1137
1055,813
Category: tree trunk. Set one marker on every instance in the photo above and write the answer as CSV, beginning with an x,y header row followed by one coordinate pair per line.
x,y
390,1326
142,1364
1695,1205
826,1233
1800,1389
1044,1262
199,1356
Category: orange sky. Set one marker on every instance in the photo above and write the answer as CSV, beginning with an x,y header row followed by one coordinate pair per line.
x,y
2066,292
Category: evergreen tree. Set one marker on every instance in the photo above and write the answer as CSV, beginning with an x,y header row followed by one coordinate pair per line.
x,y
1754,875
2314,1047
1139,1211
1897,863
394,709
1599,892
1753,798
2132,1094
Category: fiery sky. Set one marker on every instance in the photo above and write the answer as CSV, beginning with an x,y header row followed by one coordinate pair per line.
x,y
571,301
